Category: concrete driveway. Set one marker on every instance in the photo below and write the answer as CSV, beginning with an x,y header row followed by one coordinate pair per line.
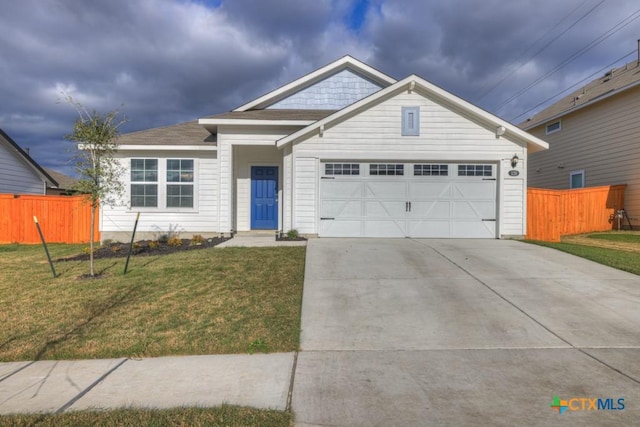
x,y
464,332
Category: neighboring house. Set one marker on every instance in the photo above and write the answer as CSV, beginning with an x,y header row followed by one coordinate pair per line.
x,y
65,185
594,137
19,173
343,151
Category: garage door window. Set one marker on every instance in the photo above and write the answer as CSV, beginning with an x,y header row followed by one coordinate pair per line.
x,y
475,170
386,169
342,169
430,170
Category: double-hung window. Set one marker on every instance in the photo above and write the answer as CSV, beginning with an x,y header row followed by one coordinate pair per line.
x,y
179,183
144,183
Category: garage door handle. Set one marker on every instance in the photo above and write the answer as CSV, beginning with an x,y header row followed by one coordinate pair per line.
x,y
326,217
484,219
409,206
406,206
327,177
488,179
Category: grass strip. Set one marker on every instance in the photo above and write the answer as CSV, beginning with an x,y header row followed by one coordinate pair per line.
x,y
622,260
228,416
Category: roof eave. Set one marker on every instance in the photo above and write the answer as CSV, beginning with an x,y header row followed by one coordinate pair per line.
x,y
154,147
212,124
581,106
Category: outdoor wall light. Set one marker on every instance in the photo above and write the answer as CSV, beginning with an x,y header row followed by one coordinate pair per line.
x,y
500,130
514,161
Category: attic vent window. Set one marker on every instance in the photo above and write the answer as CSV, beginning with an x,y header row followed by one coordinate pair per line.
x,y
554,127
410,121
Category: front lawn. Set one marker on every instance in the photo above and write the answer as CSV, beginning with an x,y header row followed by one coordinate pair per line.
x,y
222,416
209,301
621,259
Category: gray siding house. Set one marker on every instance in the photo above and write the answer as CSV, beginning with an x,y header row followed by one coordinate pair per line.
x,y
593,136
19,173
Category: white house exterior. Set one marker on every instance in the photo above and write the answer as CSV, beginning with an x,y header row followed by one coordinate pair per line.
x,y
19,173
343,151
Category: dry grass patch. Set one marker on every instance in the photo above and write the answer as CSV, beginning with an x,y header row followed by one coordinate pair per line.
x,y
625,240
228,416
209,301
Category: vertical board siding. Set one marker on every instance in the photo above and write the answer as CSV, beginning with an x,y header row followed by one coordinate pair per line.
x,y
63,219
555,213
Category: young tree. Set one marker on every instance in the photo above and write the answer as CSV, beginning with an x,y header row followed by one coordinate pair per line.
x,y
95,136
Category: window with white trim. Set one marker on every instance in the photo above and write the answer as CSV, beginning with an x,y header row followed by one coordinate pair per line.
x,y
144,183
554,127
475,170
576,179
410,121
430,170
342,169
179,183
379,169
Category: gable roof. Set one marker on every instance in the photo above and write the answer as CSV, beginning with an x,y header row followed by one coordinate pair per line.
x,y
613,82
346,62
434,93
26,158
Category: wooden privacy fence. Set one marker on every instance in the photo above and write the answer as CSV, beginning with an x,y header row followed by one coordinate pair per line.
x,y
64,219
554,213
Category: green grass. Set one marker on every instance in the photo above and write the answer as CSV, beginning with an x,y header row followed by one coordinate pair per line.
x,y
617,237
208,301
622,260
221,416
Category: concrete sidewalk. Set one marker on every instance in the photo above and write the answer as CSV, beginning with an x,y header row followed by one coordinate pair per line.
x,y
259,380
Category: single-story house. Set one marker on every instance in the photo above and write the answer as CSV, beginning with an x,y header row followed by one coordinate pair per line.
x,y
594,137
344,151
19,173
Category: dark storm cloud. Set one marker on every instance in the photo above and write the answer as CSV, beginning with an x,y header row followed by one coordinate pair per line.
x,y
166,61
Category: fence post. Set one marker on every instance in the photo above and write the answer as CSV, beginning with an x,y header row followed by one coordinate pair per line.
x,y
133,235
53,270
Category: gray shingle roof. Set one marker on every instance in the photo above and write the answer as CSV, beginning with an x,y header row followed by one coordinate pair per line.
x,y
192,133
189,133
65,182
613,81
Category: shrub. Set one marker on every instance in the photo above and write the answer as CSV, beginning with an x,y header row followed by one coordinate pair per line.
x,y
197,240
293,234
175,241
163,238
154,244
116,248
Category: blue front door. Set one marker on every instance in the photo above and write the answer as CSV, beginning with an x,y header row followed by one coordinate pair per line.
x,y
264,197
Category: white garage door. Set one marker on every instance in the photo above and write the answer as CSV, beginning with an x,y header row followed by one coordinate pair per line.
x,y
407,200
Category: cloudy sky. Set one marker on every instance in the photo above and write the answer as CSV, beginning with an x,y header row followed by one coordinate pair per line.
x,y
163,62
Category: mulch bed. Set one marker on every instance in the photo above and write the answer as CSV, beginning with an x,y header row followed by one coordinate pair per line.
x,y
290,239
146,248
